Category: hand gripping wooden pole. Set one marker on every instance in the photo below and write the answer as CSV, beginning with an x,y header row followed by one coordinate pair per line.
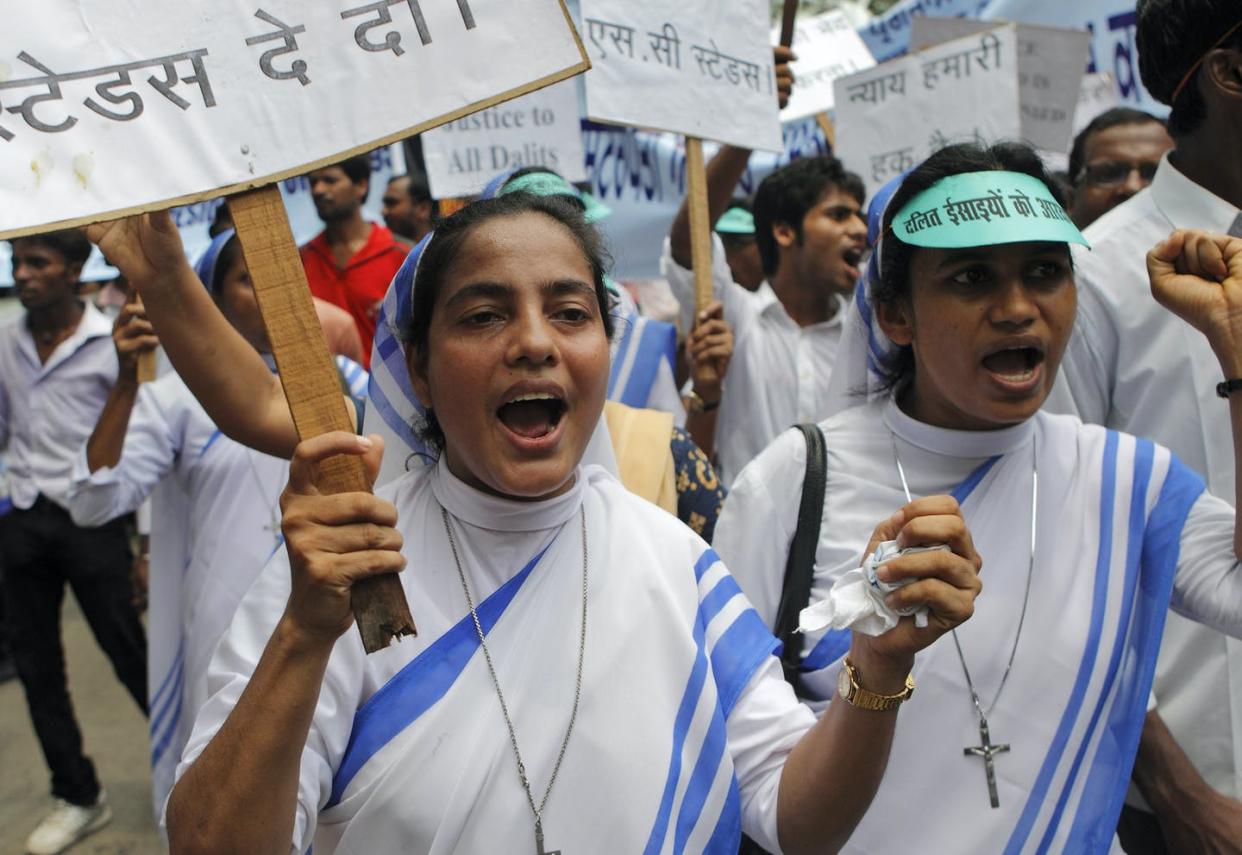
x,y
311,384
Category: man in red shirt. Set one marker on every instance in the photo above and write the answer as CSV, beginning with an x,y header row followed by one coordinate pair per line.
x,y
350,262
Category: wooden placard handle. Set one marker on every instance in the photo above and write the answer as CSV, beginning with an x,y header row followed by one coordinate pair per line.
x,y
830,131
148,362
788,13
311,384
700,225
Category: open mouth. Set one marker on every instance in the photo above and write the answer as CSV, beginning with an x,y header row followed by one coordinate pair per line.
x,y
853,257
532,415
1014,364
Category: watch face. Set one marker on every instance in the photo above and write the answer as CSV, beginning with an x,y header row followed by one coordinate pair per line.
x,y
843,683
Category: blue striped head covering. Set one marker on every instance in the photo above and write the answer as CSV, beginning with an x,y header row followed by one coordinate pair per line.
x,y
207,262
394,408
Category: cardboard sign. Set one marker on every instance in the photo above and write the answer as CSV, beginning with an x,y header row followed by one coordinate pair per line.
x,y
102,116
701,68
893,116
1051,64
827,47
539,129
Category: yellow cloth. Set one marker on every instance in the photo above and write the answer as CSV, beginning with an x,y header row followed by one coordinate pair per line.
x,y
640,441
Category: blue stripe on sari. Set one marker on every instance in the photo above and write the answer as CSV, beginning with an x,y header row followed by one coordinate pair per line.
x,y
705,767
727,836
421,683
1043,781
737,654
963,490
623,349
1144,451
681,727
656,341
1106,786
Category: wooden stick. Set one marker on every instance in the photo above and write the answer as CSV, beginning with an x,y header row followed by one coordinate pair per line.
x,y
700,227
148,363
147,366
787,22
311,384
830,132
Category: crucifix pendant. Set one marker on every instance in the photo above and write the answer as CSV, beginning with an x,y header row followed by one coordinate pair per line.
x,y
539,850
986,751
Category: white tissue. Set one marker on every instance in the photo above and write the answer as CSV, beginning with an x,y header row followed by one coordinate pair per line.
x,y
856,601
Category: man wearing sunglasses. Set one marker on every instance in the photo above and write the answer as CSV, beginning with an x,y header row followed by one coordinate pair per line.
x,y
1113,158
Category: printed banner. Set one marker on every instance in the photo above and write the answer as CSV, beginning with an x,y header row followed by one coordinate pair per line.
x,y
702,68
827,47
1051,64
891,117
206,97
539,129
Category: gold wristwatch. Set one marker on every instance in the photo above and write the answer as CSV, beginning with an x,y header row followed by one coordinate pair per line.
x,y
856,695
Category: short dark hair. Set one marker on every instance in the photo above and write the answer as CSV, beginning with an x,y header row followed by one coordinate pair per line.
x,y
1114,118
357,169
71,244
1171,36
789,193
417,187
446,241
224,260
895,256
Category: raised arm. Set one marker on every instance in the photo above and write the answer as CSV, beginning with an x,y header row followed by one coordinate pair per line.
x,y
832,774
1198,277
132,334
709,349
724,171
223,371
241,793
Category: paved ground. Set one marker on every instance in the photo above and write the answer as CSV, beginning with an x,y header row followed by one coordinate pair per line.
x,y
115,734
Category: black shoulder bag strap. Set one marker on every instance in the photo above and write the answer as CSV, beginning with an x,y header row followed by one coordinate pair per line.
x,y
800,567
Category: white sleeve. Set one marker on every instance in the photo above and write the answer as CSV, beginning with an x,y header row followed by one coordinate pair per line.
x,y
765,724
148,454
681,282
1208,584
757,522
228,675
1089,364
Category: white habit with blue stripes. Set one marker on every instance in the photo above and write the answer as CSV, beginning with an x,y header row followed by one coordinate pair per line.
x,y
210,537
1122,527
684,723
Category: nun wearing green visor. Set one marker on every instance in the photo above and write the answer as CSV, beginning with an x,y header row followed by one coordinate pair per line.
x,y
1027,717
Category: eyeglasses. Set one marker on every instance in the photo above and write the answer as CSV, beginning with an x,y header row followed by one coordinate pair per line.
x,y
1112,173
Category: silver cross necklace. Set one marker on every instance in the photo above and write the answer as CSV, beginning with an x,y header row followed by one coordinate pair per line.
x,y
986,749
273,518
504,708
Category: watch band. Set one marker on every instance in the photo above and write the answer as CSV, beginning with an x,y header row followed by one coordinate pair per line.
x,y
1228,387
699,405
855,695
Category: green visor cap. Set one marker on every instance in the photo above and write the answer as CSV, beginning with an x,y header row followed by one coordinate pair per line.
x,y
736,221
984,209
550,184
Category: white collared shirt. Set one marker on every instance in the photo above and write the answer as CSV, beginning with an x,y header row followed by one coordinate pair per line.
x,y
1133,366
48,410
779,373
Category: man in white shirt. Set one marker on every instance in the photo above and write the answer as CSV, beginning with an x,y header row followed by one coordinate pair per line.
x,y
811,236
1131,366
56,367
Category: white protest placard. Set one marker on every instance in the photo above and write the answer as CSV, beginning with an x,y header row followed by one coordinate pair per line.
x,y
701,68
827,47
539,129
1051,65
112,107
893,116
1097,95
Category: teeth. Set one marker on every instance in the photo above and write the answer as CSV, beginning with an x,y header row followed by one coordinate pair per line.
x,y
532,396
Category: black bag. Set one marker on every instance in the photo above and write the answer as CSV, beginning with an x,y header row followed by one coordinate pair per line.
x,y
799,571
